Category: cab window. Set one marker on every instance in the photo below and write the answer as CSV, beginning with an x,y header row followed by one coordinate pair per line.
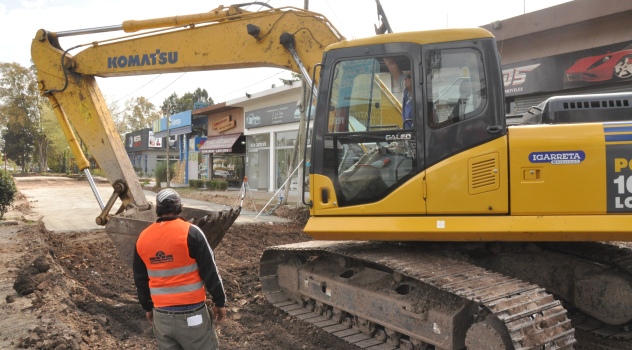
x,y
456,85
370,147
367,95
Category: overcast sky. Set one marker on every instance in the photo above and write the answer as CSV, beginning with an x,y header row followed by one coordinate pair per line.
x,y
20,20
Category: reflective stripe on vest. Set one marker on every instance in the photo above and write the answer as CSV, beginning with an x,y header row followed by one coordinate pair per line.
x,y
173,276
174,290
172,272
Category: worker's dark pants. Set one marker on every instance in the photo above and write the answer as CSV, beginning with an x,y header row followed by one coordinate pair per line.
x,y
185,331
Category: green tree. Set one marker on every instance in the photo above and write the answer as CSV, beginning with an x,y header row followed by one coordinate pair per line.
x,y
170,105
295,77
20,103
140,114
7,192
57,150
19,141
174,104
118,116
161,173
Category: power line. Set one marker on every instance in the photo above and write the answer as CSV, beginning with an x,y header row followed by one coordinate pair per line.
x,y
176,79
240,89
156,77
332,10
244,88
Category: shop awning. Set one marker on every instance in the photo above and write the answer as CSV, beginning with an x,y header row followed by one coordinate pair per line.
x,y
219,144
174,131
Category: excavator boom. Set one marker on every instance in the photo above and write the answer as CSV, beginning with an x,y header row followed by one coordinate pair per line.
x,y
224,38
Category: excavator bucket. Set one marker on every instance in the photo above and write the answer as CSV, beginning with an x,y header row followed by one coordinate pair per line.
x,y
123,229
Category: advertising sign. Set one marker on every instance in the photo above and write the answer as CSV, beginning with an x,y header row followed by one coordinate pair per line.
x,y
223,124
154,142
599,65
175,121
198,141
280,114
136,141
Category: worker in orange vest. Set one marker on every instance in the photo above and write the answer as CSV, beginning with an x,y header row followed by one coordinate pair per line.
x,y
174,268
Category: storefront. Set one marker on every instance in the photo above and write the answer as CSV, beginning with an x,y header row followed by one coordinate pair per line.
x,y
271,121
225,153
146,151
224,149
184,134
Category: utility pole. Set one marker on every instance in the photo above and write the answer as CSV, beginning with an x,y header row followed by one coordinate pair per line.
x,y
302,137
168,141
68,163
302,140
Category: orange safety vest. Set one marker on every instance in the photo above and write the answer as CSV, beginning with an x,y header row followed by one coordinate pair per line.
x,y
173,275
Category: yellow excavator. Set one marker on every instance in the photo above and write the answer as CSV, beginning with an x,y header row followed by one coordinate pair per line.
x,y
436,224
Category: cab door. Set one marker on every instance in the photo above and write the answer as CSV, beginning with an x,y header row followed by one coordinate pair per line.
x,y
466,143
370,132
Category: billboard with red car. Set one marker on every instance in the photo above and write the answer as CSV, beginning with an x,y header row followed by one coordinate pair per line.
x,y
599,65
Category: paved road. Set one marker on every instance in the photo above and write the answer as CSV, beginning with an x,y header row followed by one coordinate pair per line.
x,y
74,208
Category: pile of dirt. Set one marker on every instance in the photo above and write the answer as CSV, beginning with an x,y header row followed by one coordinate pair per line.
x,y
71,291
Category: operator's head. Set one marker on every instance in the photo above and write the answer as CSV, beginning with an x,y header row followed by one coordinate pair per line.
x,y
408,79
168,202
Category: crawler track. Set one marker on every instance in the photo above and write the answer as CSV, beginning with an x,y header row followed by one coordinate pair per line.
x,y
599,334
385,296
592,279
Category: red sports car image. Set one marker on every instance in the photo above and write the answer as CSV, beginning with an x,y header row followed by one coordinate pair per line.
x,y
612,65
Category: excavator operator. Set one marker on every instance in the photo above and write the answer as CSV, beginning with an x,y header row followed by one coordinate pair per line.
x,y
404,79
174,267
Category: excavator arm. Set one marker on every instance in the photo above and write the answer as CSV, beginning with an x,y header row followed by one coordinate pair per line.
x,y
224,38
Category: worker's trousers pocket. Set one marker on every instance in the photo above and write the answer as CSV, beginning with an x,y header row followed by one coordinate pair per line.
x,y
192,331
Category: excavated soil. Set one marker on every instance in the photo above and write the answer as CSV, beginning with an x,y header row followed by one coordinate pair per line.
x,y
71,291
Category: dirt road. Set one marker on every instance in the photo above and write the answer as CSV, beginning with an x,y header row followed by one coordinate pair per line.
x,y
71,291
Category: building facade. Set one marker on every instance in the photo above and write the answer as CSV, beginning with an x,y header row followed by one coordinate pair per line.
x,y
254,137
146,151
271,128
578,47
186,134
222,156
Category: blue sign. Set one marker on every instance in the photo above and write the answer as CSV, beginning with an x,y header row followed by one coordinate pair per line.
x,y
175,121
561,157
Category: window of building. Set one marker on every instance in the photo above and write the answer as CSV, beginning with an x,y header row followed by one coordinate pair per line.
x,y
285,165
229,167
257,160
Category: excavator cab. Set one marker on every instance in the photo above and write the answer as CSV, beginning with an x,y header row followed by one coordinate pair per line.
x,y
371,148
